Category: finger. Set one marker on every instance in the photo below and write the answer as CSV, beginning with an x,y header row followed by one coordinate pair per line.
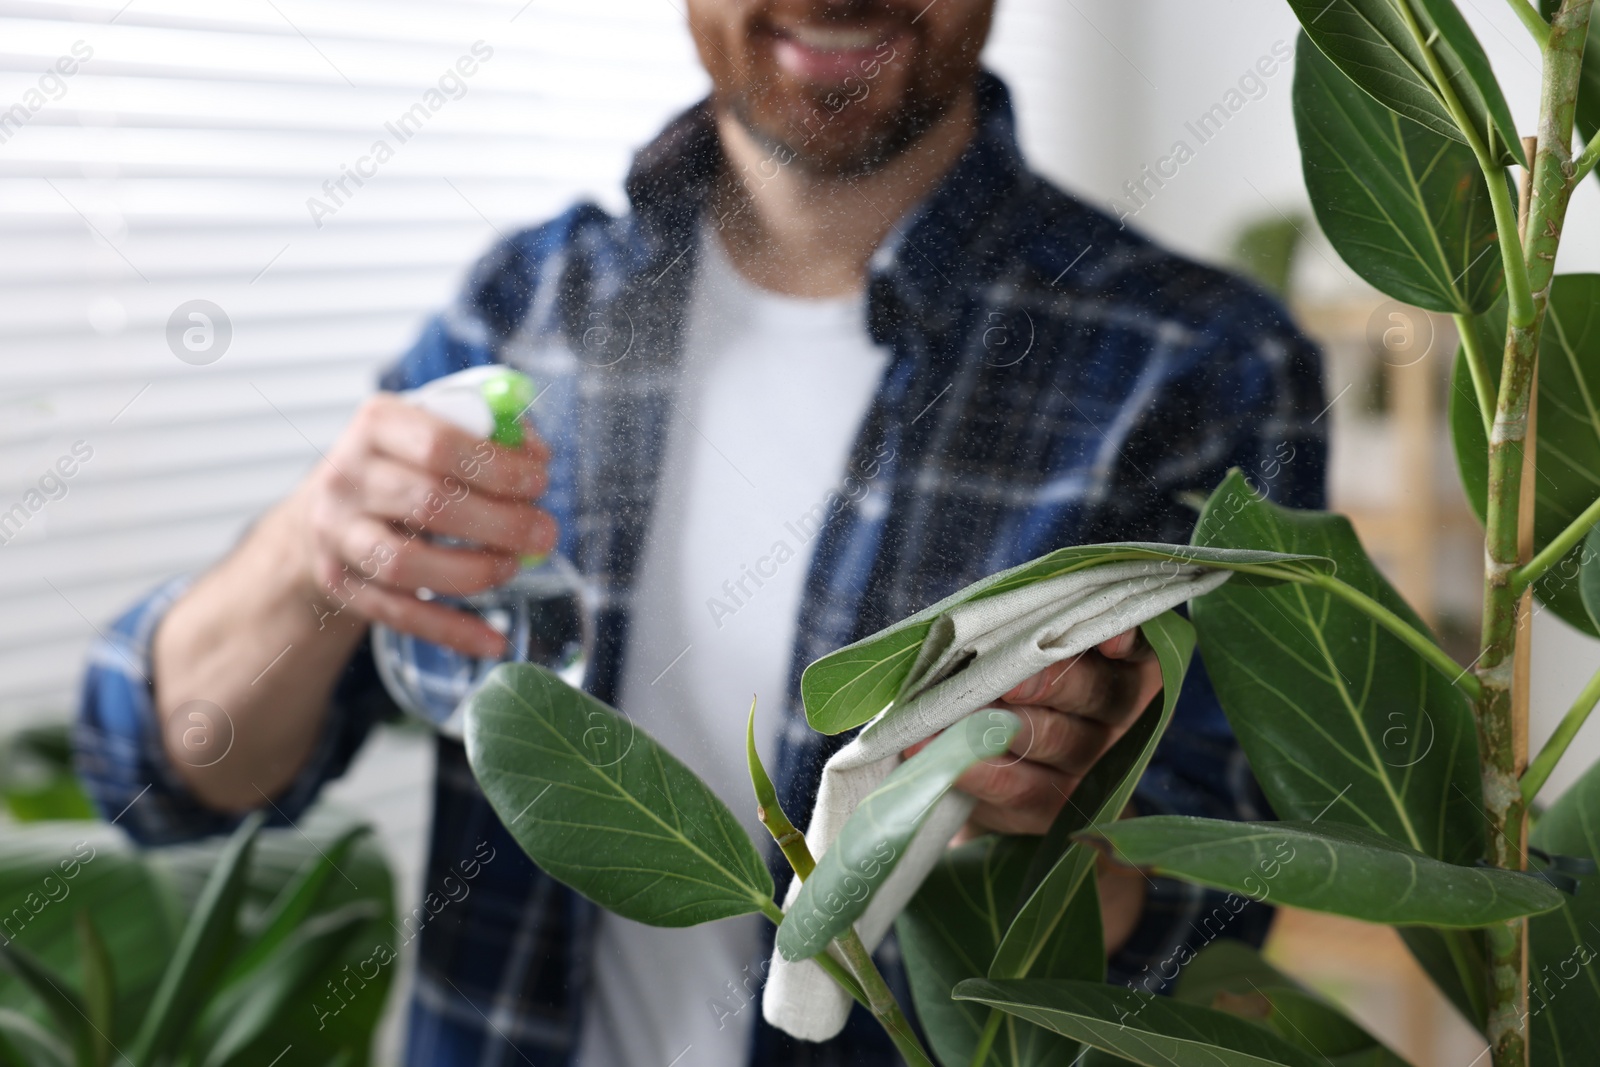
x,y
534,445
1092,686
418,438
421,501
373,552
1068,743
1128,645
1020,798
462,631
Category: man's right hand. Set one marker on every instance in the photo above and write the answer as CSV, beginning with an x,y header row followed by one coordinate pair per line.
x,y
397,473
260,640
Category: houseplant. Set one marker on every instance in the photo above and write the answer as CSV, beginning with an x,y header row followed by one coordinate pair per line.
x,y
225,952
1399,775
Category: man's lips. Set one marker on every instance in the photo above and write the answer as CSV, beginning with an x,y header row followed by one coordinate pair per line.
x,y
830,53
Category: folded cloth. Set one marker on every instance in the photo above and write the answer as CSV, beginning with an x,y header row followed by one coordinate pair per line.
x,y
974,654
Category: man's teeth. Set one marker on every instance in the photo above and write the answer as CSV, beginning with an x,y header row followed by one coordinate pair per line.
x,y
834,38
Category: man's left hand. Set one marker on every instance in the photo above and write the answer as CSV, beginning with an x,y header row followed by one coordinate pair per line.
x,y
1072,712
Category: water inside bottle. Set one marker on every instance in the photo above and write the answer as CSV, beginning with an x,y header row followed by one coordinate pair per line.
x,y
545,615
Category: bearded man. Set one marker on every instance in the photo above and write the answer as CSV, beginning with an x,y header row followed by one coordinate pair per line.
x,y
841,317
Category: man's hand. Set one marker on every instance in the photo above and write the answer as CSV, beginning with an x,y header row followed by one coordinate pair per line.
x,y
396,473
1072,713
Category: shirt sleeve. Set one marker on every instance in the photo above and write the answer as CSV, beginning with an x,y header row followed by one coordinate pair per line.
x,y
118,739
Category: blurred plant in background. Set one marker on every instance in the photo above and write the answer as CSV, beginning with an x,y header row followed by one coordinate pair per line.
x,y
36,779
226,953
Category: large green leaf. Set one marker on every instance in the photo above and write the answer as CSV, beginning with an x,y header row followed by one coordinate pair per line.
x,y
847,687
1339,718
1408,209
1230,976
879,831
1341,721
203,950
1384,45
1340,870
1568,453
1564,945
1148,1030
949,933
1062,867
601,806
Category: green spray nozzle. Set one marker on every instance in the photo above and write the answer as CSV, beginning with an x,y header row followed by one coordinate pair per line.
x,y
509,394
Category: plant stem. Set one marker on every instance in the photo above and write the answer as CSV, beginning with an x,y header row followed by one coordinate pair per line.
x,y
1519,289
1437,657
1496,719
1532,19
1585,161
1558,547
835,970
1478,367
881,1001
991,1028
1538,772
791,842
866,986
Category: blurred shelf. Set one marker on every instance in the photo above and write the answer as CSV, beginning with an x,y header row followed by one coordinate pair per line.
x,y
1368,971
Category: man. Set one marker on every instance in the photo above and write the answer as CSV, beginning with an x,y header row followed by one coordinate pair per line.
x,y
842,317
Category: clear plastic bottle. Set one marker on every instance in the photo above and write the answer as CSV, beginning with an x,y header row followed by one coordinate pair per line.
x,y
546,612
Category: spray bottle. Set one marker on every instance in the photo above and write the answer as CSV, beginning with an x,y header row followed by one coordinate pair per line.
x,y
546,612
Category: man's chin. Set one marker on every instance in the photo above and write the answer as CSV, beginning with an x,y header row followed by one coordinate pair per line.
x,y
831,146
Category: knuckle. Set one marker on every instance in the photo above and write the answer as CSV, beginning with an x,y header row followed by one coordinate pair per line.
x,y
393,559
436,450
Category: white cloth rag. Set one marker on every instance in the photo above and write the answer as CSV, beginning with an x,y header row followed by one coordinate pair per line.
x,y
974,653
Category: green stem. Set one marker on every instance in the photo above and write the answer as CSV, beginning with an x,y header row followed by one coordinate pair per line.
x,y
1585,161
866,985
1519,291
991,1027
1496,711
881,1001
835,970
1538,772
1478,367
791,842
1533,20
1559,546
1419,642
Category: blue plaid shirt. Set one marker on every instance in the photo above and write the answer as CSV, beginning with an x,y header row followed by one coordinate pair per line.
x,y
1053,379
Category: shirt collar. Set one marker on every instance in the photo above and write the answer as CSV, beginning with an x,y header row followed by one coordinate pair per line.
x,y
670,181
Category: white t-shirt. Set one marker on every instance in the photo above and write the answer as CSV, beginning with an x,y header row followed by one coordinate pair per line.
x,y
774,391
